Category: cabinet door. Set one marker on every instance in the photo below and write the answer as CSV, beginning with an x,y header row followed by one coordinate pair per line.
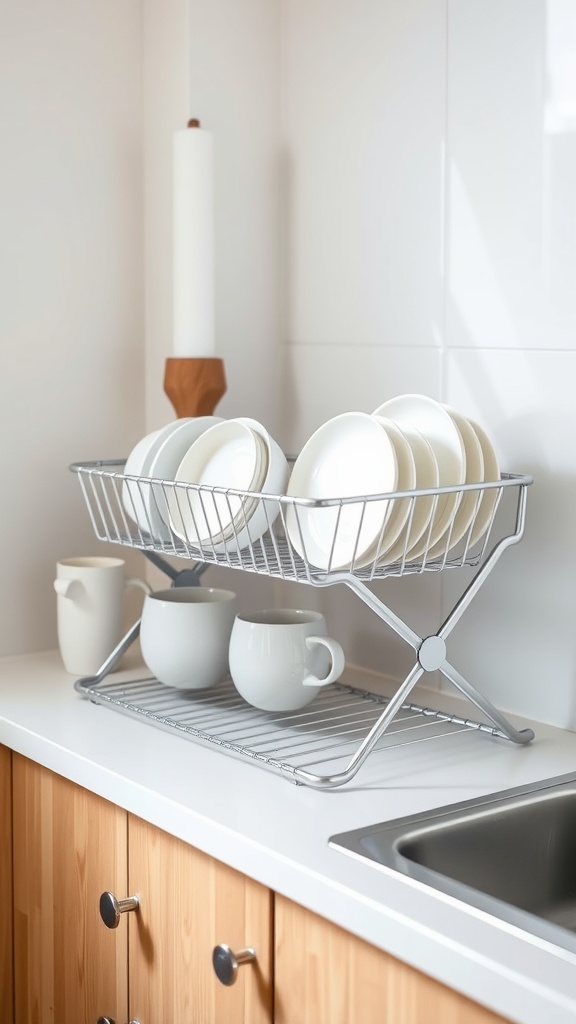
x,y
6,1005
324,975
189,903
69,846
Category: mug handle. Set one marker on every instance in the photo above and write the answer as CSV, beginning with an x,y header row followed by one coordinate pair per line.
x,y
338,660
63,587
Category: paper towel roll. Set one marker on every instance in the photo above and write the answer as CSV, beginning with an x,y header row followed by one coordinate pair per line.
x,y
193,243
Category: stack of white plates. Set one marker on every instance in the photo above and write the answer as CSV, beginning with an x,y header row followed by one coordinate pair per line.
x,y
417,513
464,455
226,458
409,443
352,455
488,497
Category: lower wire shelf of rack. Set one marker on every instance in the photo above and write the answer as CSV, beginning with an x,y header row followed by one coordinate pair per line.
x,y
315,742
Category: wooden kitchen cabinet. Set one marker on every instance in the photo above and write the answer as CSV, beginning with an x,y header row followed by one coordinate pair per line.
x,y
69,847
189,904
324,975
6,993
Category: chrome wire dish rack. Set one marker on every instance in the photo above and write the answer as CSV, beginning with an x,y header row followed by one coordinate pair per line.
x,y
132,511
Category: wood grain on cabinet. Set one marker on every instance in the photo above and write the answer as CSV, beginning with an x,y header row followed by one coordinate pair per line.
x,y
69,846
189,903
324,975
6,990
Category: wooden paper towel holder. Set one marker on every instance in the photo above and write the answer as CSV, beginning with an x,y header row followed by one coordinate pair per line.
x,y
194,385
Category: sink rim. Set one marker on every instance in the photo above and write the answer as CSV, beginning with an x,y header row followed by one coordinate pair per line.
x,y
398,831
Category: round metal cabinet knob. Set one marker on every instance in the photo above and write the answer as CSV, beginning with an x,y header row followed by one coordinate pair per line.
x,y
111,908
226,963
110,1020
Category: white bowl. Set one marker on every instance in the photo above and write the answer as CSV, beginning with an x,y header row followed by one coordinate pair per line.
x,y
469,502
260,512
132,494
160,458
414,538
438,427
228,456
489,496
167,455
250,501
348,456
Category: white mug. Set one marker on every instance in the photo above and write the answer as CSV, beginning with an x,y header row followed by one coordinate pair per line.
x,y
90,613
280,658
185,634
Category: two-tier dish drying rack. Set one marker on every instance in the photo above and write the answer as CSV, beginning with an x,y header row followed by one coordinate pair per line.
x,y
324,744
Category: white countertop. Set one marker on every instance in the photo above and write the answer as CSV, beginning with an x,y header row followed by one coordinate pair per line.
x,y
277,833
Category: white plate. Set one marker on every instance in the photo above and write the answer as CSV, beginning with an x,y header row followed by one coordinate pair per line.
x,y
438,427
348,456
491,473
469,503
414,539
406,481
227,455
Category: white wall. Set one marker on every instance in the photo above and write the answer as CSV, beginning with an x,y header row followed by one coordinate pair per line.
x,y
71,355
395,212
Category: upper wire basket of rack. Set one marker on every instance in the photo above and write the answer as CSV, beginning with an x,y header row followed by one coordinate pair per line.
x,y
133,511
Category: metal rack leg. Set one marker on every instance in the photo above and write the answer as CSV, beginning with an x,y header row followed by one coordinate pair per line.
x,y
377,730
481,702
431,652
179,578
377,606
111,661
485,570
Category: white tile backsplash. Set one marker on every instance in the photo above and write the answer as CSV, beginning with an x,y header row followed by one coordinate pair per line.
x,y
322,381
456,132
511,167
363,131
519,633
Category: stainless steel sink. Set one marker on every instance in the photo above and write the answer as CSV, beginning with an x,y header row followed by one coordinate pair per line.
x,y
511,854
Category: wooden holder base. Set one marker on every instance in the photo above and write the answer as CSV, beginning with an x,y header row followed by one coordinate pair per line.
x,y
194,385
